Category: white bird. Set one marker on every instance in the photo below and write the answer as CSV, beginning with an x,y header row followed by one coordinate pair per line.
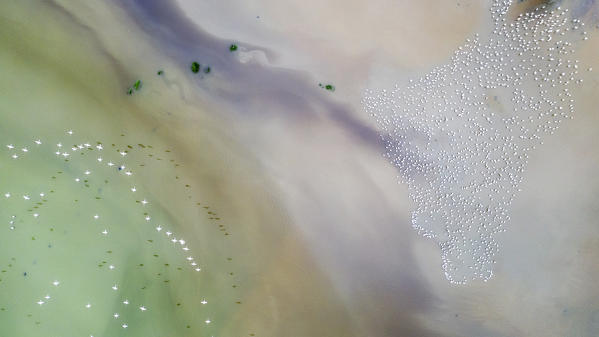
x,y
14,156
77,179
70,132
10,146
40,302
64,154
182,242
104,232
143,202
42,194
147,218
198,269
26,197
111,267
57,153
7,195
185,248
55,283
38,142
168,233
87,172
35,215
207,321
189,258
24,149
100,159
116,315
142,308
123,153
204,301
115,287
47,297
124,326
59,145
133,189
88,305
159,228
194,264
128,173
126,302
96,216
99,147
110,163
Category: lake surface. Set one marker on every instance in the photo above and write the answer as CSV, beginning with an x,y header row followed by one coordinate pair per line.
x,y
253,197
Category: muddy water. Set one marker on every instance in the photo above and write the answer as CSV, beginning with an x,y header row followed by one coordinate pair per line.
x,y
319,238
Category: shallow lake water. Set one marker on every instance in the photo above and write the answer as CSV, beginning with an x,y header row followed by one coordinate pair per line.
x,y
253,197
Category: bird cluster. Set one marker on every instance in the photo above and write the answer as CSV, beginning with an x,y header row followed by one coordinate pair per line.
x,y
103,164
461,135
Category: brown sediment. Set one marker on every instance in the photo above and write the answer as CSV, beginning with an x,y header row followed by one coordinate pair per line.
x,y
520,7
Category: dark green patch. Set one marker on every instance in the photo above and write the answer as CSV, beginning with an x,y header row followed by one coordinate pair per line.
x,y
195,67
233,47
160,72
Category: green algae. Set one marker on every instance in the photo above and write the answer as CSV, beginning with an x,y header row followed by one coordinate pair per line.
x,y
195,67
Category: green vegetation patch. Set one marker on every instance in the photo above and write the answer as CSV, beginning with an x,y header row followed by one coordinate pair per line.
x,y
135,87
328,87
195,67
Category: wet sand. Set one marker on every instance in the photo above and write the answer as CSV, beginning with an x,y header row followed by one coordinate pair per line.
x,y
321,242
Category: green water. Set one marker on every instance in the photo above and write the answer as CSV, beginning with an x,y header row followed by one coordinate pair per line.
x,y
55,79
74,231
